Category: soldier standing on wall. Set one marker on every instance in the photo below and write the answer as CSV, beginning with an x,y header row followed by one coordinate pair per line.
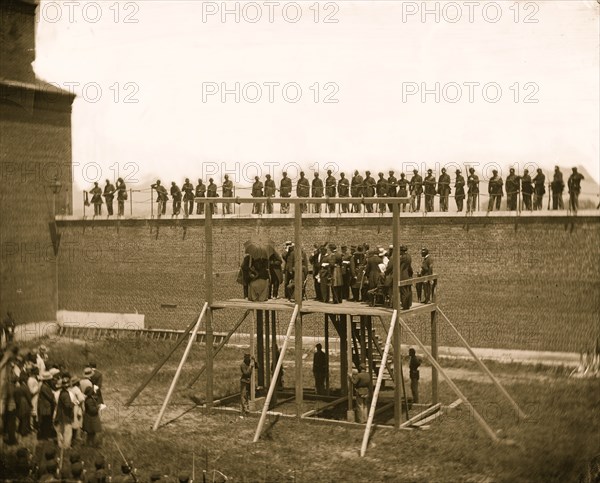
x,y
257,192
557,187
109,196
382,191
369,192
227,193
161,197
211,192
176,195
356,190
344,192
303,191
512,190
430,191
459,191
574,184
200,193
330,189
473,190
392,188
188,198
121,196
285,190
403,190
444,189
539,189
416,190
317,191
495,191
96,193
270,190
526,189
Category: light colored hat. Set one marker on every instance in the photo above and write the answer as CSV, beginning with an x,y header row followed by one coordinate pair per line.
x,y
54,371
88,371
43,349
45,376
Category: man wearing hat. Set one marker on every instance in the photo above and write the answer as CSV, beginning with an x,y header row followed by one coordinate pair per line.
x,y
346,275
63,421
513,188
473,190
41,357
403,190
188,198
357,273
557,187
77,398
303,191
317,191
320,369
406,272
539,189
370,185
459,191
270,191
200,193
96,379
227,193
382,191
211,192
444,189
176,195
343,188
324,273
416,190
362,389
336,276
330,189
285,191
574,184
527,190
413,370
426,269
392,188
46,406
495,191
257,192
430,191
356,190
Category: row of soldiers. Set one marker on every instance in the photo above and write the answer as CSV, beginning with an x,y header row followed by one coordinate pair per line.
x,y
109,195
531,190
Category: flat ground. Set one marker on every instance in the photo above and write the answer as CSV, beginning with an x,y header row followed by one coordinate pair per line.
x,y
556,443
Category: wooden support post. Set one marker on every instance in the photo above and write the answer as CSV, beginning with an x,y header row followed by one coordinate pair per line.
x,y
180,367
386,351
275,354
350,413
344,367
267,369
396,306
434,354
450,382
219,347
298,275
141,387
208,282
265,408
327,354
260,346
485,368
252,355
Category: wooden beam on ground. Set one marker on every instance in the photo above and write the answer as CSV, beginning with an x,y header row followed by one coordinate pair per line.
x,y
386,351
180,367
158,366
219,347
428,419
421,415
485,369
325,406
276,374
384,408
450,382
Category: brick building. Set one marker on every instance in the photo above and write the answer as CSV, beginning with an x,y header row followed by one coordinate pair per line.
x,y
35,170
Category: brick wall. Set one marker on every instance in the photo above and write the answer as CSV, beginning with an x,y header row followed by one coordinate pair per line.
x,y
527,284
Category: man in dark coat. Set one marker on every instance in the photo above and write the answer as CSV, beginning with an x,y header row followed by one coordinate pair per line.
x,y
356,190
121,196
96,193
320,369
574,184
303,191
513,187
416,190
315,260
63,421
403,190
459,191
369,190
444,189
343,188
270,192
495,191
161,197
285,191
45,410
473,190
317,191
430,191
276,274
335,274
211,192
382,191
200,193
413,370
324,274
527,190
557,187
358,284
176,195
539,189
362,390
346,274
188,198
373,271
227,193
257,192
109,196
426,269
330,189
392,188
406,272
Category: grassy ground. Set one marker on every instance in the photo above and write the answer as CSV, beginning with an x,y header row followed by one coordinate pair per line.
x,y
556,442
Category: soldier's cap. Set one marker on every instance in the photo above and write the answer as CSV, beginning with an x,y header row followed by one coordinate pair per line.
x,y
380,173
471,170
495,171
525,170
574,169
342,174
359,249
316,175
539,170
430,171
512,170
344,247
328,171
458,171
368,172
74,457
332,246
187,180
362,366
403,248
246,354
443,170
268,176
402,175
415,171
284,173
391,172
301,173
211,180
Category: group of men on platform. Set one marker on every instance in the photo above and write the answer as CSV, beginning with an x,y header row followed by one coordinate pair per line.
x,y
109,195
522,192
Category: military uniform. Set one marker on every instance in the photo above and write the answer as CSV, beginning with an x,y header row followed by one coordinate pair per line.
x,y
161,198
257,192
512,190
392,188
176,195
495,191
473,190
96,193
357,191
406,272
188,198
539,189
121,196
344,192
459,191
357,273
444,189
557,186
382,191
270,191
527,190
403,190
416,190
303,191
200,193
430,191
317,191
109,196
336,261
285,191
574,184
369,191
426,269
346,275
227,193
324,275
330,189
211,192
413,371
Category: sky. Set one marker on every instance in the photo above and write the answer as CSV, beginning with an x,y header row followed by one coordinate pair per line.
x,y
372,85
